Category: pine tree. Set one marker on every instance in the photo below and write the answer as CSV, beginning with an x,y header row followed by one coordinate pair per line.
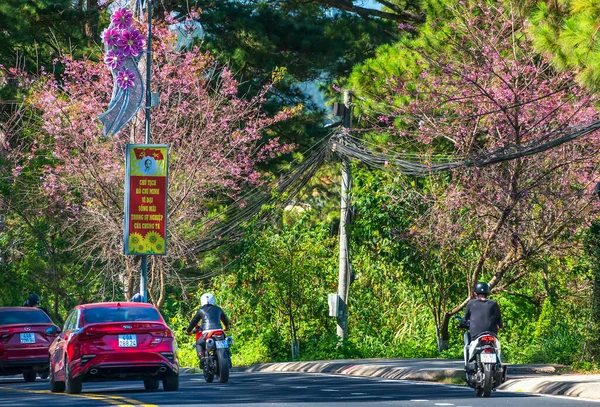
x,y
568,31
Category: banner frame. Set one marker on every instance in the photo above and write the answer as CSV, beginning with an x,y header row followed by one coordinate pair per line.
x,y
127,197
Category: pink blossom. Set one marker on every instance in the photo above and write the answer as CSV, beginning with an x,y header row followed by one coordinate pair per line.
x,y
125,79
229,132
131,42
170,18
114,59
17,171
122,18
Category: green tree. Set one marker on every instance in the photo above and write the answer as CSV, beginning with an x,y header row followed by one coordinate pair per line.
x,y
34,32
567,31
277,295
309,44
468,84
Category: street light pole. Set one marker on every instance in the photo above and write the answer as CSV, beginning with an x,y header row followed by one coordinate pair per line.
x,y
144,262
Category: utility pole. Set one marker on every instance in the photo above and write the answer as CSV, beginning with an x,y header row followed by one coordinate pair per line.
x,y
144,262
344,266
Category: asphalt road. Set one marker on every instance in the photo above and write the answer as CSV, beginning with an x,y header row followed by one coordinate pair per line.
x,y
273,390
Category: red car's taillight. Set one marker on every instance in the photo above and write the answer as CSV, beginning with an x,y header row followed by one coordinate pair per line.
x,y
159,335
162,333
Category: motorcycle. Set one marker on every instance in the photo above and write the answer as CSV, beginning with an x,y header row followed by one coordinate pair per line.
x,y
484,371
216,358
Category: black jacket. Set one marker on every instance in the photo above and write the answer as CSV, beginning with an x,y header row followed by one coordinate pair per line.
x,y
210,317
26,304
482,315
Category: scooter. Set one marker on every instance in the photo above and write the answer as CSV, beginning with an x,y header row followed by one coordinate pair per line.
x,y
484,371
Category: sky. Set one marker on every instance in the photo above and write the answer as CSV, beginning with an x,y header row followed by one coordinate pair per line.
x,y
372,4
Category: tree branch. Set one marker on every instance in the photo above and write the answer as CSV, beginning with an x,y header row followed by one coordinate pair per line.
x,y
400,15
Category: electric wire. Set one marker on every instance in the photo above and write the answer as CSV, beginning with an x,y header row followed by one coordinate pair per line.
x,y
342,145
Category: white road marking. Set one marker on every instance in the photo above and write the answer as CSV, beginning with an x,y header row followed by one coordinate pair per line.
x,y
358,394
329,390
419,401
443,404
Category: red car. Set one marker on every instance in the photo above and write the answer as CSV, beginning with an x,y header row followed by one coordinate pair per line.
x,y
114,341
25,336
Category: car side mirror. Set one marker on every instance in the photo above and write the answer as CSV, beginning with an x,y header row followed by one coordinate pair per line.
x,y
53,331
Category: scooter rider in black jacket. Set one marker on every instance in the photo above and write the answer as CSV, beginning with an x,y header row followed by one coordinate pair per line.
x,y
210,317
33,301
481,315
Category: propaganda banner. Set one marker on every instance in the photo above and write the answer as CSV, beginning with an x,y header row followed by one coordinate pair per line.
x,y
146,173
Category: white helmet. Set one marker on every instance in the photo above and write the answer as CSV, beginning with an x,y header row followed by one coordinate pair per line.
x,y
207,298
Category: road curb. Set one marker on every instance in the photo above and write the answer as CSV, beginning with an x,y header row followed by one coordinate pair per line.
x,y
580,386
387,371
364,370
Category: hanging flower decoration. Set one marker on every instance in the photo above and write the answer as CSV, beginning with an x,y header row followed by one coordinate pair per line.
x,y
125,78
114,59
122,40
122,18
110,37
123,45
130,42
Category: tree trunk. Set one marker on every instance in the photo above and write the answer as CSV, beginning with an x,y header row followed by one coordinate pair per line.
x,y
161,298
129,278
442,334
91,22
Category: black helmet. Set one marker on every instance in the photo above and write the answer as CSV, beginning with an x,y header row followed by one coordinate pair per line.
x,y
33,300
482,288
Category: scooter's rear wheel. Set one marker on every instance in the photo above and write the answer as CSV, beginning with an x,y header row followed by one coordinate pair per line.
x,y
488,383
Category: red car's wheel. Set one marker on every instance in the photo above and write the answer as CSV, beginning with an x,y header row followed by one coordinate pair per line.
x,y
171,383
29,376
55,386
151,384
72,386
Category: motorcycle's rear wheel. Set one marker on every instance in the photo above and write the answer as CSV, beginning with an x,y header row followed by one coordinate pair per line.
x,y
223,359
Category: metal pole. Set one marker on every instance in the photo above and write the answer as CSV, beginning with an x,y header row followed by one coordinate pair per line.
x,y
344,272
148,69
144,262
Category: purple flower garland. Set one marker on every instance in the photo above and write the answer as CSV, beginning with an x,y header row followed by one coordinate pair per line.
x,y
122,41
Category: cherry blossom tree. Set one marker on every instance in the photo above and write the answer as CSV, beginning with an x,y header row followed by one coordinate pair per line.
x,y
216,140
473,86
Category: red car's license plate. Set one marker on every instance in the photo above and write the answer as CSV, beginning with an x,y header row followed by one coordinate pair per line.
x,y
127,341
27,337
